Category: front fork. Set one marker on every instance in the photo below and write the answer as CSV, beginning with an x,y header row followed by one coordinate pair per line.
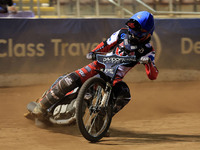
x,y
103,103
106,96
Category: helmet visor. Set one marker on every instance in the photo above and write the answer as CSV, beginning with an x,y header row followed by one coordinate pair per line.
x,y
136,29
139,34
133,24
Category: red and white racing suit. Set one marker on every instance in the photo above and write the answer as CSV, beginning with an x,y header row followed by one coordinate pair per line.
x,y
67,83
113,43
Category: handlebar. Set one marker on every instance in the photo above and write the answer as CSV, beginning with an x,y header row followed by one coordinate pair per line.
x,y
115,59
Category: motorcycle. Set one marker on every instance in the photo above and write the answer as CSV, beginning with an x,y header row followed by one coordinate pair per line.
x,y
91,105
95,101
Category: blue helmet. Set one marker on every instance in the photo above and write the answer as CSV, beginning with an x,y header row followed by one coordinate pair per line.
x,y
141,24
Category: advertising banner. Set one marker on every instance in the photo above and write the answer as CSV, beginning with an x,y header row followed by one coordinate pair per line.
x,y
60,45
179,43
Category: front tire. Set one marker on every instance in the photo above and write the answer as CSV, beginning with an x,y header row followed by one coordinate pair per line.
x,y
93,120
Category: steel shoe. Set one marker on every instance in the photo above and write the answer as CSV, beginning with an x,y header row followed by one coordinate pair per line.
x,y
38,111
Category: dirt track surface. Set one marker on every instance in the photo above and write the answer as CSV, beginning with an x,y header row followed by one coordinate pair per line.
x,y
160,116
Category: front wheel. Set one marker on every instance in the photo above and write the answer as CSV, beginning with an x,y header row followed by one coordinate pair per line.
x,y
93,119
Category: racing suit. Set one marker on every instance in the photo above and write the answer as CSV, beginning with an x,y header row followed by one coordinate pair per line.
x,y
67,83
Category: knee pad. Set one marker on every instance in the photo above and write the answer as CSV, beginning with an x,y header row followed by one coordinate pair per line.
x,y
69,82
58,91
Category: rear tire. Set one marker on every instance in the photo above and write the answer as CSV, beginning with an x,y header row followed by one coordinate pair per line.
x,y
93,121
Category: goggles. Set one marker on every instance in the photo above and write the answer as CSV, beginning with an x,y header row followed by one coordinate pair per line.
x,y
136,29
139,34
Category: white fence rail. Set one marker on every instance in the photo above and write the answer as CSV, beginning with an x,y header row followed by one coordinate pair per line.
x,y
119,8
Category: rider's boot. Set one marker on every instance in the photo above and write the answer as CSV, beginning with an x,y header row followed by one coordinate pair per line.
x,y
57,92
38,110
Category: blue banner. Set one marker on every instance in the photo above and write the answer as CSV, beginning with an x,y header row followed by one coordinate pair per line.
x,y
180,43
60,45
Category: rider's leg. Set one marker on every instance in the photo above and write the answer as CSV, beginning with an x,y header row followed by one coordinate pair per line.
x,y
64,85
57,80
122,96
58,91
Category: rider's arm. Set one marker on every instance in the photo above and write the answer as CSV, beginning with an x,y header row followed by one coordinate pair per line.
x,y
151,70
108,44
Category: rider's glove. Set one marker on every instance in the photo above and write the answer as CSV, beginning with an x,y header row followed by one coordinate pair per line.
x,y
90,55
145,60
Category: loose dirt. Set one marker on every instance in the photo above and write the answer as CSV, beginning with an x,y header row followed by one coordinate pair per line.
x,y
161,115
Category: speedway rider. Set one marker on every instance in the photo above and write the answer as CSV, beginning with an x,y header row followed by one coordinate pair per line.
x,y
138,31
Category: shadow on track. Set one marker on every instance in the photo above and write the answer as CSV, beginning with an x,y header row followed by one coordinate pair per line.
x,y
129,137
125,137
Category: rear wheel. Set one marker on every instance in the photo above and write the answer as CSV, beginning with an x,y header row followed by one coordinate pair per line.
x,y
93,120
